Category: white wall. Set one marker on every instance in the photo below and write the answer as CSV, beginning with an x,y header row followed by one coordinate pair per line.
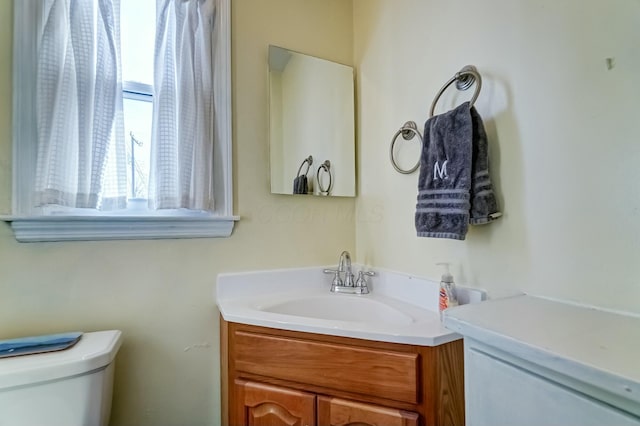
x,y
565,152
159,293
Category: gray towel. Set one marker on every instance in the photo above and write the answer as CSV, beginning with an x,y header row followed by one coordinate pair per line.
x,y
300,185
454,187
484,208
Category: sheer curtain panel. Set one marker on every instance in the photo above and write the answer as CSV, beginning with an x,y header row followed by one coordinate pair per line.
x,y
182,152
81,160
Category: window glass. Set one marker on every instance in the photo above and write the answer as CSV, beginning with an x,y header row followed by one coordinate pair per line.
x,y
137,127
138,28
137,25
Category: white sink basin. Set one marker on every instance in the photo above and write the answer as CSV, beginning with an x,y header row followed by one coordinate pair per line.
x,y
340,307
400,308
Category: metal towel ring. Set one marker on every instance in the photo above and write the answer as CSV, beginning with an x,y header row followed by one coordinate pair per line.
x,y
463,79
326,166
408,131
309,161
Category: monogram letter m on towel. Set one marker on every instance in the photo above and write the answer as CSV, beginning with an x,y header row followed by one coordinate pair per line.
x,y
454,188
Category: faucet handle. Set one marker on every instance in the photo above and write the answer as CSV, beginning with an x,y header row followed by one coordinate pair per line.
x,y
337,281
361,283
362,280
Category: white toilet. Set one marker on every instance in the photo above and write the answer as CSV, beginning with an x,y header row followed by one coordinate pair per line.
x,y
72,387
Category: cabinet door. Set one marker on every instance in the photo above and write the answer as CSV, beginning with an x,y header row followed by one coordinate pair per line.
x,y
257,404
340,412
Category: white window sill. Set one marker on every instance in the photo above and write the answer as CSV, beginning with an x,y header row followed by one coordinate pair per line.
x,y
92,228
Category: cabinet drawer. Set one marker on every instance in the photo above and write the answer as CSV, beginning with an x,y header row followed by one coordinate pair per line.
x,y
369,371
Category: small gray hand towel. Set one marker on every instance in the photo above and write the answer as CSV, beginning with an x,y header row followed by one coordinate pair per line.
x,y
484,208
300,185
454,187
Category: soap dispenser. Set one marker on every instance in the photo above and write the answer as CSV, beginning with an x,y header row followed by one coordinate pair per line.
x,y
447,295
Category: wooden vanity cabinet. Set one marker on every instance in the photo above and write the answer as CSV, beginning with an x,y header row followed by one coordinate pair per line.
x,y
274,377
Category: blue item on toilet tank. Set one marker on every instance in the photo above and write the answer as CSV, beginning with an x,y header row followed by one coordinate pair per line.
x,y
37,344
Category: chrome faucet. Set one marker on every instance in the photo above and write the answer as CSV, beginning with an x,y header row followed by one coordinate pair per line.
x,y
348,285
345,262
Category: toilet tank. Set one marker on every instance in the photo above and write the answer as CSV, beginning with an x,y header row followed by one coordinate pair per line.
x,y
72,387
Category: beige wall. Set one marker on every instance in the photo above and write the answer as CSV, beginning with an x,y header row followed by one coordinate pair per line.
x,y
563,135
159,293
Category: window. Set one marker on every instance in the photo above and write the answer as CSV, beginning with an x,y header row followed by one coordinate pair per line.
x,y
137,161
137,86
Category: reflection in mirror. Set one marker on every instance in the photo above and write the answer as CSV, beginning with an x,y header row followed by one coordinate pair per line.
x,y
311,125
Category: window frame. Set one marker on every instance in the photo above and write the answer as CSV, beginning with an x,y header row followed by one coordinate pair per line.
x,y
29,226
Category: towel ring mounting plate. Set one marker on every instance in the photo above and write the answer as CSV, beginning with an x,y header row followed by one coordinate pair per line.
x,y
309,161
463,79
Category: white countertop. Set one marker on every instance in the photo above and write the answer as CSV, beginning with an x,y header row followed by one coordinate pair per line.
x,y
597,347
241,298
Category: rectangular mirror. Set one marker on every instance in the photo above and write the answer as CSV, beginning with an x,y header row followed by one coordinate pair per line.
x,y
311,125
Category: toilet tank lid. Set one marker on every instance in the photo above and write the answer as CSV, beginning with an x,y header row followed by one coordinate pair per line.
x,y
94,351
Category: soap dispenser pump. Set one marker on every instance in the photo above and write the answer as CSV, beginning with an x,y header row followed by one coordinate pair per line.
x,y
447,295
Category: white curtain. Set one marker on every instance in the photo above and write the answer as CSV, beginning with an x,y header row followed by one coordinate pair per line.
x,y
81,153
182,149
